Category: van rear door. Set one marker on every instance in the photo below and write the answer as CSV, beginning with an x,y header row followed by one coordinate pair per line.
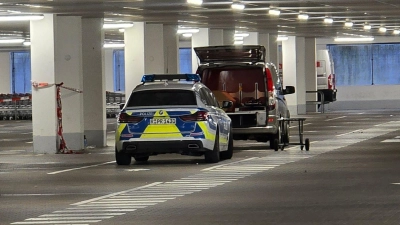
x,y
236,53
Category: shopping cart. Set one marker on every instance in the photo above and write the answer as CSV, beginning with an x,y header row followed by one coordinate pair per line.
x,y
283,141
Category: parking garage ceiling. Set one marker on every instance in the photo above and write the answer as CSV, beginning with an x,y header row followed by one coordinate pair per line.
x,y
255,16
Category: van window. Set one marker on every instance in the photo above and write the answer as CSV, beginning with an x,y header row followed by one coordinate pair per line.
x,y
229,79
162,97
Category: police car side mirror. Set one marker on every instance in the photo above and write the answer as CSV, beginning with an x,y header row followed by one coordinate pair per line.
x,y
121,106
289,90
227,104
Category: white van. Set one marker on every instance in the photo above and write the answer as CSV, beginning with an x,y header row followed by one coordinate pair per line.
x,y
326,82
326,76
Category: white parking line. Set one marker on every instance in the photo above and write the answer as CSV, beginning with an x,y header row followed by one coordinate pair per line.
x,y
336,118
79,168
348,132
303,125
392,140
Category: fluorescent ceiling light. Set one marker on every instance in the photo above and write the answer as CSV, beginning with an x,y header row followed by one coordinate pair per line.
x,y
328,20
274,12
348,24
11,41
238,42
188,30
238,38
121,30
354,39
117,25
114,45
237,6
26,43
303,16
187,34
396,32
241,34
367,27
382,29
21,18
282,38
195,2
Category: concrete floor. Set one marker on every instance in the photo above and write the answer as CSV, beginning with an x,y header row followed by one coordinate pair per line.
x,y
349,176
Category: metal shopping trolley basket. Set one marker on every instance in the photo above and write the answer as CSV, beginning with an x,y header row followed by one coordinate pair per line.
x,y
283,141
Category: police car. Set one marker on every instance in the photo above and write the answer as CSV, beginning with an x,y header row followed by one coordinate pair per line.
x,y
173,113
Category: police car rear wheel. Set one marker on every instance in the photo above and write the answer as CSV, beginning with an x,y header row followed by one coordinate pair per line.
x,y
141,158
122,158
213,156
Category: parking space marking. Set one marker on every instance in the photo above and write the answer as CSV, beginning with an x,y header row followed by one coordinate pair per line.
x,y
391,140
156,193
336,118
79,168
136,170
303,125
351,132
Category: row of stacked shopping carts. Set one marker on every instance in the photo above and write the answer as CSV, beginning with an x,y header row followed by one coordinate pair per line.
x,y
15,106
113,101
19,106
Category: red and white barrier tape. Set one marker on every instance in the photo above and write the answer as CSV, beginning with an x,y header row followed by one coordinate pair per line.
x,y
38,85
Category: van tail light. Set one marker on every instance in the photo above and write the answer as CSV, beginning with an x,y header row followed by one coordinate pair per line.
x,y
331,82
198,116
125,118
270,90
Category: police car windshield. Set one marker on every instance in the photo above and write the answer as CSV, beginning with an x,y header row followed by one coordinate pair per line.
x,y
162,97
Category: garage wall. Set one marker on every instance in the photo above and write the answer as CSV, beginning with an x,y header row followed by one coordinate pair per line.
x,y
364,97
5,76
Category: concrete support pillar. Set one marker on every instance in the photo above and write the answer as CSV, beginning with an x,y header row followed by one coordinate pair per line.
x,y
252,39
200,39
293,54
229,37
216,37
56,56
94,82
144,53
311,72
5,72
171,49
271,47
221,37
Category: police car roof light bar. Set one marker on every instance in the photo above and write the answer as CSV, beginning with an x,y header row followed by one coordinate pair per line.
x,y
163,77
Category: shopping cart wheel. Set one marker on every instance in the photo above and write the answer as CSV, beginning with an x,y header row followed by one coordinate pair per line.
x,y
307,143
276,144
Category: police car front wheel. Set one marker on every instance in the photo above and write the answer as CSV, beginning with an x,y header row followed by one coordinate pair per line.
x,y
213,156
